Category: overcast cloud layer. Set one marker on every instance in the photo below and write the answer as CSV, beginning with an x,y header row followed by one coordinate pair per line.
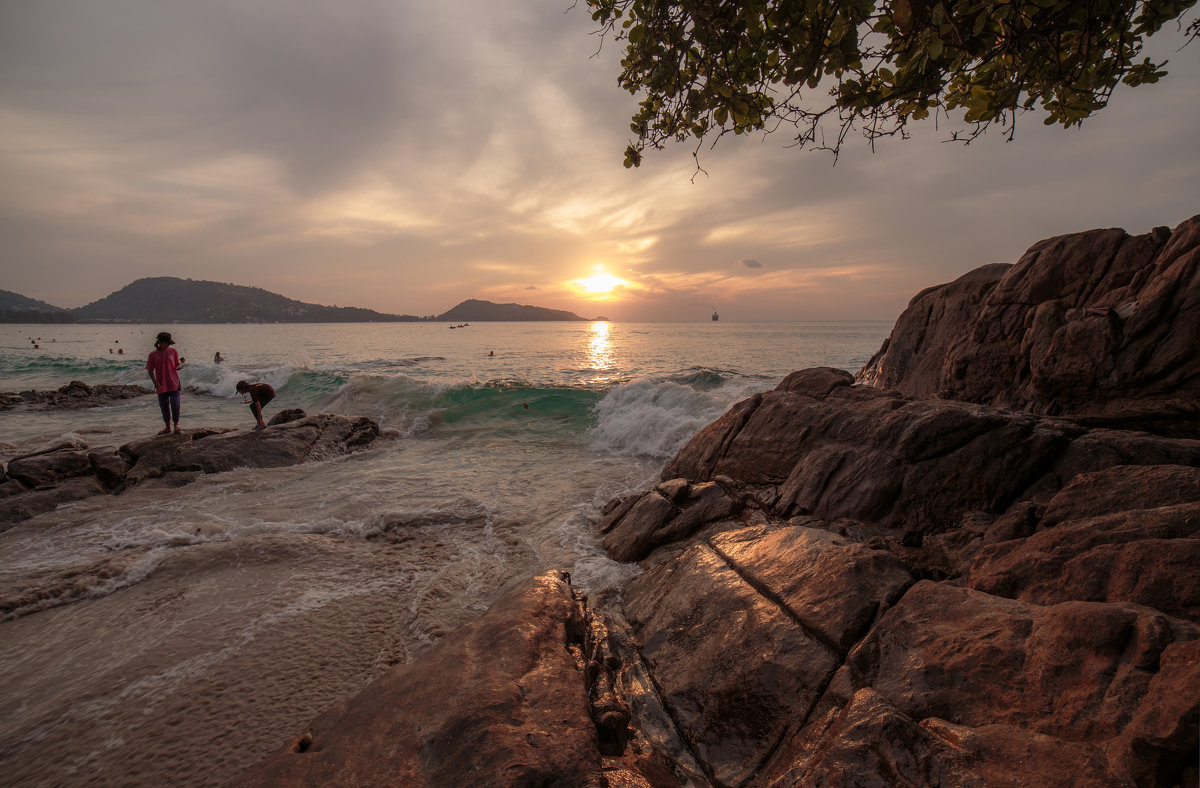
x,y
403,156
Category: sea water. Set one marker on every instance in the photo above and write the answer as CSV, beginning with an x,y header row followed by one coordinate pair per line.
x,y
181,634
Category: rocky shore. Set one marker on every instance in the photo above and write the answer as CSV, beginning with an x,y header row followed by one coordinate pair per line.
x,y
973,565
39,482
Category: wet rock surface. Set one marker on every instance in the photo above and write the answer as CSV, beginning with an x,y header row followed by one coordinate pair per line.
x,y
76,395
40,482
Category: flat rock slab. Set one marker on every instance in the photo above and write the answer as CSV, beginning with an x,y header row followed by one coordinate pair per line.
x,y
318,437
499,702
734,646
40,482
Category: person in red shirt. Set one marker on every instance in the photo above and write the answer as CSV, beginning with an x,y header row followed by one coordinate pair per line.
x,y
163,368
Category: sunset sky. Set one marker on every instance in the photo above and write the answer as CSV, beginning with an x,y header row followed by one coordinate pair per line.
x,y
404,156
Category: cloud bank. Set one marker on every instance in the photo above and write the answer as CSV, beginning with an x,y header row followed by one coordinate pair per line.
x,y
402,156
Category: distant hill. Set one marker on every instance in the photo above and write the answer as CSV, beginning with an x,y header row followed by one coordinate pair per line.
x,y
166,299
16,308
474,309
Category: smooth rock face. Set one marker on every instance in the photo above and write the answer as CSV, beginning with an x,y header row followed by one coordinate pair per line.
x,y
1097,325
741,642
501,702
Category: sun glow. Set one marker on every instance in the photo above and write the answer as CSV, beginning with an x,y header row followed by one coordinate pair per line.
x,y
599,284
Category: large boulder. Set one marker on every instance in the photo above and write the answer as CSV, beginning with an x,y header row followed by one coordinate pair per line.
x,y
1100,326
501,701
820,446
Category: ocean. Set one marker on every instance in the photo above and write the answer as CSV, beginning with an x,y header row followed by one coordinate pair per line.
x,y
179,635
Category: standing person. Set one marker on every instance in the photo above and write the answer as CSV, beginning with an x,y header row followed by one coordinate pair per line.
x,y
260,394
163,368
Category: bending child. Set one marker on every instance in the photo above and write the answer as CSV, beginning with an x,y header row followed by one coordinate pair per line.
x,y
260,394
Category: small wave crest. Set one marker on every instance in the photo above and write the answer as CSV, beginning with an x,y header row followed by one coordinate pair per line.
x,y
702,378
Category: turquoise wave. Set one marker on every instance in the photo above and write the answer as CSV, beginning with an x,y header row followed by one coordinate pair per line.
x,y
51,372
571,407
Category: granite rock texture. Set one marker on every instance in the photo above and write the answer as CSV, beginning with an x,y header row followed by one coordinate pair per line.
x,y
1101,326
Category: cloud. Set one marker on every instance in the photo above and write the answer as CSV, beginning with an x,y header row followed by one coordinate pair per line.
x,y
384,153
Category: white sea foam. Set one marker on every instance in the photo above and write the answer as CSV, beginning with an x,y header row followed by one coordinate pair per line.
x,y
652,419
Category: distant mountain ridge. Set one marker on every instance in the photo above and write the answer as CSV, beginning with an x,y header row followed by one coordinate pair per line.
x,y
168,299
16,308
165,299
474,309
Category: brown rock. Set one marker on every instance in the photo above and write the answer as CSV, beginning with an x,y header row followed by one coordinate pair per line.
x,y
286,415
1147,556
316,437
834,587
673,510
15,508
1158,746
742,634
109,467
44,468
912,357
1123,487
1099,449
73,396
873,456
1076,670
961,688
872,743
732,667
501,702
1099,325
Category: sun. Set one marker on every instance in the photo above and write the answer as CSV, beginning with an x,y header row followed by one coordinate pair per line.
x,y
601,283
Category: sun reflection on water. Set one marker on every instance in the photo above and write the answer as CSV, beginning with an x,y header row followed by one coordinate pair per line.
x,y
600,352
